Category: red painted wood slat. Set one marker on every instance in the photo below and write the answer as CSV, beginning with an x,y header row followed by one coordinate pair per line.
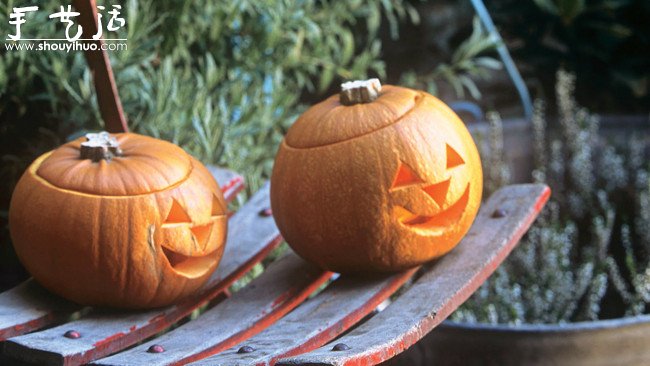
x,y
445,285
28,306
283,286
319,320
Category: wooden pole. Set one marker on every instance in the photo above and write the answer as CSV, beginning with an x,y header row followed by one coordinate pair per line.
x,y
100,66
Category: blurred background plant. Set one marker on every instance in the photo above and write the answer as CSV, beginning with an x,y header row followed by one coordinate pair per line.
x,y
605,43
467,64
587,256
222,79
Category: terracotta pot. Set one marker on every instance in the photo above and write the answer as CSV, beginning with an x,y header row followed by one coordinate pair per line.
x,y
622,341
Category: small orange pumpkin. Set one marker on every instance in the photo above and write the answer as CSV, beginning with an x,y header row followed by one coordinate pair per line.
x,y
121,220
376,180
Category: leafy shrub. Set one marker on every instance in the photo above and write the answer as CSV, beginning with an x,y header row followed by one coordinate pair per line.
x,y
221,79
467,64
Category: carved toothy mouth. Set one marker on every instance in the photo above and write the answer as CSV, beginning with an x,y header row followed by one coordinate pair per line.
x,y
190,266
193,266
438,223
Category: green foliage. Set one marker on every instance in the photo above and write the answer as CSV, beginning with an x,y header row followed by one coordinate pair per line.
x,y
570,265
467,63
222,79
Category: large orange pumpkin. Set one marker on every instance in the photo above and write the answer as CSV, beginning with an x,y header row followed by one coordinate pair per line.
x,y
123,220
376,180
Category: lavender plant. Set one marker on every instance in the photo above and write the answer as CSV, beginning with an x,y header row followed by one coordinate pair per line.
x,y
589,250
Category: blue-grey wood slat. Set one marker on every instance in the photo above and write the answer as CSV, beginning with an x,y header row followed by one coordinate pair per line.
x,y
29,306
282,286
322,318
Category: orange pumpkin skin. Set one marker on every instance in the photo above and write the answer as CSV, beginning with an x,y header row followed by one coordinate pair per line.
x,y
379,186
142,230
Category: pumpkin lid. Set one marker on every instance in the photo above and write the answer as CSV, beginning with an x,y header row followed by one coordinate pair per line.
x,y
330,121
143,165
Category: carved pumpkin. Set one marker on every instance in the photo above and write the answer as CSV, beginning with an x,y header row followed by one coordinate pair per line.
x,y
364,184
123,220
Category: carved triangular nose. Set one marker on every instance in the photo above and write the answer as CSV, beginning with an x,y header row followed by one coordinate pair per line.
x,y
438,191
202,234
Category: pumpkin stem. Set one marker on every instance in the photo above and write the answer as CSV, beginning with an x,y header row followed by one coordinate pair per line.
x,y
359,91
100,146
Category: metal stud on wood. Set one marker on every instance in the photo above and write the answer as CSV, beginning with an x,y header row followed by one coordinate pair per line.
x,y
72,334
341,347
156,348
246,349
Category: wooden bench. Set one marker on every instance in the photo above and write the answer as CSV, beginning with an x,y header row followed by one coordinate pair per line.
x,y
282,317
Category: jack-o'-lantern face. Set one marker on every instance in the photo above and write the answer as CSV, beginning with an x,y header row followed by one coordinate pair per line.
x,y
378,185
430,191
143,228
448,210
190,247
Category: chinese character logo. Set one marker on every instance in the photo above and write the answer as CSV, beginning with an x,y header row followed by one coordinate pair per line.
x,y
66,16
17,18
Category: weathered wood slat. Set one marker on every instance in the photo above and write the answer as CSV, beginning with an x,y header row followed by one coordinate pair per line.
x,y
28,306
315,322
445,285
252,234
230,182
282,287
103,332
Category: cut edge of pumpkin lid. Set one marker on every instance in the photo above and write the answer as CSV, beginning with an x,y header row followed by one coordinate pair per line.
x,y
147,165
330,122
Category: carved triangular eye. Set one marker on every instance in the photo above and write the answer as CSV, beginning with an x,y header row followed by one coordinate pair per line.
x,y
453,158
405,177
177,214
438,191
217,206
